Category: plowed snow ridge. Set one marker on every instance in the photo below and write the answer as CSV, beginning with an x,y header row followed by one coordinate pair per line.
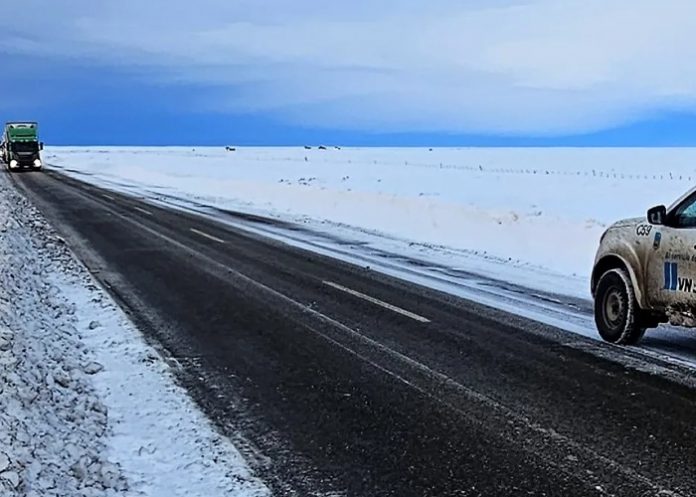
x,y
86,407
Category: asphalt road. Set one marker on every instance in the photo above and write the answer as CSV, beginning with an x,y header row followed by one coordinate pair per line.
x,y
336,380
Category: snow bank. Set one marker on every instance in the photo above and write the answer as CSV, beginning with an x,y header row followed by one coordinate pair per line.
x,y
86,408
540,209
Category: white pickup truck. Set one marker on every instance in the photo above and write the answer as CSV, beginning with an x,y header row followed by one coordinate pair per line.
x,y
645,272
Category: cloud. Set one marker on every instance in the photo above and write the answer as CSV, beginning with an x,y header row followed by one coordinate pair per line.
x,y
540,67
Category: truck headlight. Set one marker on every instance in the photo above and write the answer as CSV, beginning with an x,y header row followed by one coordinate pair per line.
x,y
37,163
13,163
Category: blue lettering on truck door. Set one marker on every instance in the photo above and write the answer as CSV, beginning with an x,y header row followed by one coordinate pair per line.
x,y
674,283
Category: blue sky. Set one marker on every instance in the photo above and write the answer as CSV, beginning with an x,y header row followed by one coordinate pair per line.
x,y
364,72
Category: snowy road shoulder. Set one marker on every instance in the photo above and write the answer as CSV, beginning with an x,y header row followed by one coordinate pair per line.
x,y
86,406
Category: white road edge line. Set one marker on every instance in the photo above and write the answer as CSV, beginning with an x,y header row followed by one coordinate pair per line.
x,y
378,302
143,211
206,235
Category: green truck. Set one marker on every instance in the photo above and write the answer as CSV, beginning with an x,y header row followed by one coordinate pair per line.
x,y
20,147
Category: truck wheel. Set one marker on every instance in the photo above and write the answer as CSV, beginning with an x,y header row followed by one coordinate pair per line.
x,y
617,314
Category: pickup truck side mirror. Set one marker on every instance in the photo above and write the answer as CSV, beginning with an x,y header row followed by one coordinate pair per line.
x,y
40,145
657,215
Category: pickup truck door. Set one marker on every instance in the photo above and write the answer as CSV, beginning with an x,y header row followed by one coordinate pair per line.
x,y
671,261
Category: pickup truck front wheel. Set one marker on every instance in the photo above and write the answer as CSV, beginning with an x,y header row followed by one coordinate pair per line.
x,y
617,314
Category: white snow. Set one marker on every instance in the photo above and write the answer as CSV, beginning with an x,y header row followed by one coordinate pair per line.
x,y
86,407
526,216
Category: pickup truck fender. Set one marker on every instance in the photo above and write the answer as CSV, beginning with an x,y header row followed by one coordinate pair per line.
x,y
617,252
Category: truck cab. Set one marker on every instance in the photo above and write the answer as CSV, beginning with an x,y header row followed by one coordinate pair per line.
x,y
21,148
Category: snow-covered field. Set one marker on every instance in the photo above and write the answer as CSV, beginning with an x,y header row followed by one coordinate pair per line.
x,y
526,216
86,407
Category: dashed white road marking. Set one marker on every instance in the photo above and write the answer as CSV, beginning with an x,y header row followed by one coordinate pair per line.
x,y
143,211
206,235
108,196
378,302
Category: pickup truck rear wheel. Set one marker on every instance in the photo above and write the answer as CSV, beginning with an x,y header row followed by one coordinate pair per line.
x,y
617,314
